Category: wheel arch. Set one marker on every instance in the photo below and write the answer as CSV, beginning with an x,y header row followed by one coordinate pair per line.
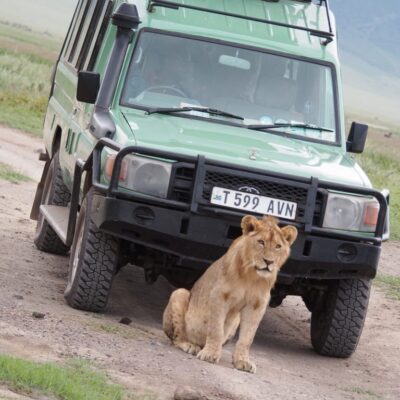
x,y
55,146
56,142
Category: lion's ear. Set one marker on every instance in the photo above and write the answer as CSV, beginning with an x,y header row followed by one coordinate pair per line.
x,y
249,224
289,233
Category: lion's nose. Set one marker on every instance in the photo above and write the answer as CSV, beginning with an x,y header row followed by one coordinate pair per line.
x,y
268,262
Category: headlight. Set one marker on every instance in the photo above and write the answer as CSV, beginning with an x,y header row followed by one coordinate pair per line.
x,y
351,213
141,174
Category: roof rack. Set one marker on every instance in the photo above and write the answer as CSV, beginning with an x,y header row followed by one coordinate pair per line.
x,y
327,35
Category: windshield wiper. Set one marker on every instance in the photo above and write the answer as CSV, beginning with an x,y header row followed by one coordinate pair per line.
x,y
261,127
211,111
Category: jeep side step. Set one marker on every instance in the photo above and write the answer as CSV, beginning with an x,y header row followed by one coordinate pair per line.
x,y
57,217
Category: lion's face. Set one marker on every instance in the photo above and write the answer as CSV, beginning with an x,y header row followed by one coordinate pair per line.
x,y
266,246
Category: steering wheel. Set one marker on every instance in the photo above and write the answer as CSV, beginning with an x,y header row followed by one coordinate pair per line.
x,y
164,89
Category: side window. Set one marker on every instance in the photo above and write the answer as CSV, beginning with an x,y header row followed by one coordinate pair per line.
x,y
87,31
99,34
75,34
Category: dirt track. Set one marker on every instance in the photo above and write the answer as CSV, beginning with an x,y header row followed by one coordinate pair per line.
x,y
139,356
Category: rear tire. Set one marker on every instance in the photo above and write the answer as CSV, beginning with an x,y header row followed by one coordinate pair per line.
x,y
54,193
336,325
93,263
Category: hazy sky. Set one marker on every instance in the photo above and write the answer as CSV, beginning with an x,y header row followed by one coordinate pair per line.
x,y
52,16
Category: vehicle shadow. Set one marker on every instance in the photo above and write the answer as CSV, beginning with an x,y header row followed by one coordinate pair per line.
x,y
132,297
284,329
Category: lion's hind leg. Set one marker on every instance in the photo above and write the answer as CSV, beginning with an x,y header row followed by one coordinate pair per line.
x,y
174,321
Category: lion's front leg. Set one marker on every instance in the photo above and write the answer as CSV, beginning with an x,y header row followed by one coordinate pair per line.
x,y
212,350
250,318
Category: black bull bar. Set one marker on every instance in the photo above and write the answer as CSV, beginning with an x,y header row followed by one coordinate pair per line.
x,y
199,205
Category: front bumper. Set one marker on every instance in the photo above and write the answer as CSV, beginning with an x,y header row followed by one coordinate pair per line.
x,y
197,240
197,233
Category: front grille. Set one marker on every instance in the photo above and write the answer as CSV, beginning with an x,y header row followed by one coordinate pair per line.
x,y
182,183
270,189
182,188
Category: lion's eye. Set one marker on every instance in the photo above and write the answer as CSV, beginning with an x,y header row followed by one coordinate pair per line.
x,y
261,242
278,246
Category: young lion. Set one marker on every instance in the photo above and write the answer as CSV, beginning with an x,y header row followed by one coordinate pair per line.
x,y
234,290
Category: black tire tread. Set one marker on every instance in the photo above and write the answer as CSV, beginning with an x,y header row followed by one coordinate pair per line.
x,y
47,240
337,327
94,277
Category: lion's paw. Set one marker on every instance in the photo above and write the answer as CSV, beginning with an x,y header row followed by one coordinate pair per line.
x,y
189,348
245,365
210,356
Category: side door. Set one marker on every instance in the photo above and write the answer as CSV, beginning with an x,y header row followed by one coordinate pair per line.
x,y
80,53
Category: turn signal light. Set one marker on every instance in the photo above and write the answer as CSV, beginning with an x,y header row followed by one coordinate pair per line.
x,y
371,213
110,162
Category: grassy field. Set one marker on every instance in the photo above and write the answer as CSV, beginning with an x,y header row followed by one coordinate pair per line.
x,y
74,381
381,162
10,175
390,284
26,61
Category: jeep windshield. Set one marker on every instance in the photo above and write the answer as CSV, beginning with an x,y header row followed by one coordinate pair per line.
x,y
169,71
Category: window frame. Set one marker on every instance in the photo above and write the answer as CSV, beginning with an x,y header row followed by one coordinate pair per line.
x,y
87,33
72,30
99,34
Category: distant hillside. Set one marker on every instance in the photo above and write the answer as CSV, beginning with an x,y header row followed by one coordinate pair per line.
x,y
50,16
370,29
369,43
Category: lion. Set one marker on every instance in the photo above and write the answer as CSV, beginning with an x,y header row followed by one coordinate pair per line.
x,y
235,290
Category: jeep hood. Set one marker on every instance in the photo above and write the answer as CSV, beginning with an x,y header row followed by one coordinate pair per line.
x,y
241,146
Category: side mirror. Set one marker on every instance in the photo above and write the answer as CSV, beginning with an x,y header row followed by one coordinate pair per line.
x,y
357,138
88,86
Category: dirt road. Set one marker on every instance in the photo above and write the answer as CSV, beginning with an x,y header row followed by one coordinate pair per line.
x,y
139,356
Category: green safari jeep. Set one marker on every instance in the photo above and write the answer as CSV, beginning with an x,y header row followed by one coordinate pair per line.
x,y
168,121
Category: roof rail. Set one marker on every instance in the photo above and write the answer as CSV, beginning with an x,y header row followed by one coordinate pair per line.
x,y
327,35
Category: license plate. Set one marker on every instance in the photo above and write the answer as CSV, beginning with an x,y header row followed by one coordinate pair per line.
x,y
254,203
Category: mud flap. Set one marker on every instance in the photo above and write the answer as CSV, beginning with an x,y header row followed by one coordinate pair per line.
x,y
39,191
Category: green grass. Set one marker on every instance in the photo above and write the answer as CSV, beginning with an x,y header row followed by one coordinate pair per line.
x,y
74,381
390,284
8,174
368,394
126,332
383,168
26,60
24,89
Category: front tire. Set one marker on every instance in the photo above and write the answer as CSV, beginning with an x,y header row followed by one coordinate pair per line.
x,y
93,263
54,193
337,324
